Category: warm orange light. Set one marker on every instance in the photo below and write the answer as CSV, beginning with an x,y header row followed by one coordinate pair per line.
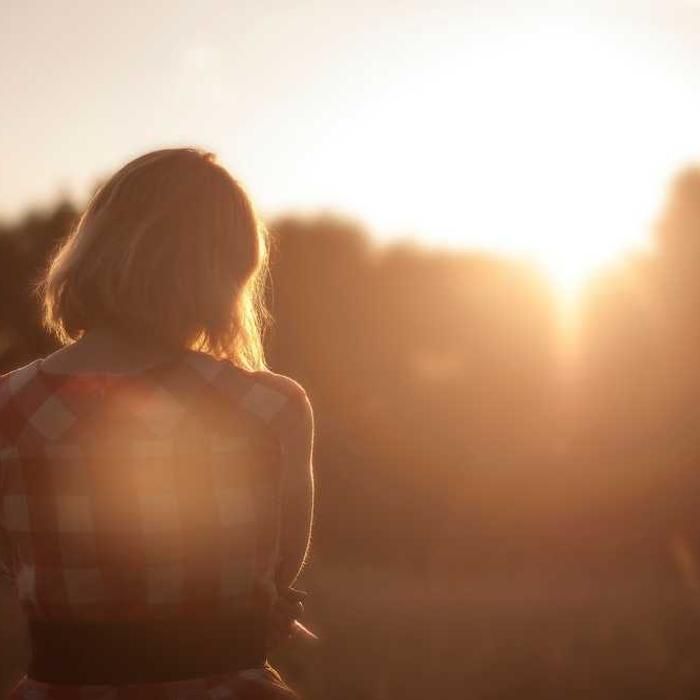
x,y
530,142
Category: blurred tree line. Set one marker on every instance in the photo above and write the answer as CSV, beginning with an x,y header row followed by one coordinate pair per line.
x,y
451,435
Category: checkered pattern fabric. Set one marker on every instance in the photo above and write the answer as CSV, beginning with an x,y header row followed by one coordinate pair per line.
x,y
142,496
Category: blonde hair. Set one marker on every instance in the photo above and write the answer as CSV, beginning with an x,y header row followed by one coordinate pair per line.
x,y
171,249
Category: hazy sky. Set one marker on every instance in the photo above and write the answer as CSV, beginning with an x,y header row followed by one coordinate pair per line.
x,y
510,125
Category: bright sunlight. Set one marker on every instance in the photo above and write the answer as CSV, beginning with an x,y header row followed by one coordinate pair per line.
x,y
539,151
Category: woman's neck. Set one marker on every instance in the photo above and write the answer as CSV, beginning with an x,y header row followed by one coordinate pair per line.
x,y
105,349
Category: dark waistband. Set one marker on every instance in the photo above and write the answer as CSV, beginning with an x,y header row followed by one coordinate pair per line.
x,y
145,652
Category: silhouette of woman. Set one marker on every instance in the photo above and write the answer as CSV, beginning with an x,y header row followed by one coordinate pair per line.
x,y
155,477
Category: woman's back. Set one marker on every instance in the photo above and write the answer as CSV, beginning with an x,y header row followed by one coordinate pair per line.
x,y
140,513
155,499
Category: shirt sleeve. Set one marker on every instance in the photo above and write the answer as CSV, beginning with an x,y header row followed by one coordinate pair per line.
x,y
5,542
5,556
296,434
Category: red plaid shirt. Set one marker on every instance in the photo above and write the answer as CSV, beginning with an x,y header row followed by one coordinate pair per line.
x,y
141,497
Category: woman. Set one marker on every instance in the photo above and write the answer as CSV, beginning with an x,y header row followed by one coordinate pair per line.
x,y
155,478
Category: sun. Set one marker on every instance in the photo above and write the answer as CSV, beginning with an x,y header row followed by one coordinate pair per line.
x,y
526,143
568,272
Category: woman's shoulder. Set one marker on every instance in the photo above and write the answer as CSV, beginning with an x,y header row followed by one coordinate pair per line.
x,y
280,383
12,381
20,400
298,411
267,394
279,393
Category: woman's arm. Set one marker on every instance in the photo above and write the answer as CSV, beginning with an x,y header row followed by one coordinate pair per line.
x,y
296,515
5,556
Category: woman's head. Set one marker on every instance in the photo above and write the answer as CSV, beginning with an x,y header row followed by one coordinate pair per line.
x,y
169,249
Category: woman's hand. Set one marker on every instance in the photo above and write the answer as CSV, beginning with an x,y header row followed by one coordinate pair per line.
x,y
287,608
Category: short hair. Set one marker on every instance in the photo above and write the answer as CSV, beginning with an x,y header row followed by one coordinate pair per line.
x,y
169,248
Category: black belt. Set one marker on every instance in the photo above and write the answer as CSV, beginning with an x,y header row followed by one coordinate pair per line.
x,y
118,653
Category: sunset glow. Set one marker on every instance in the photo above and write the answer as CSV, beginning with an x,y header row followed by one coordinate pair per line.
x,y
383,315
539,151
510,127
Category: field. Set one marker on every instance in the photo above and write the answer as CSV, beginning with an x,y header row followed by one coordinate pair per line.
x,y
388,637
385,636
510,637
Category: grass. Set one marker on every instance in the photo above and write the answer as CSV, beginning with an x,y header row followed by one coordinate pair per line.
x,y
385,635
